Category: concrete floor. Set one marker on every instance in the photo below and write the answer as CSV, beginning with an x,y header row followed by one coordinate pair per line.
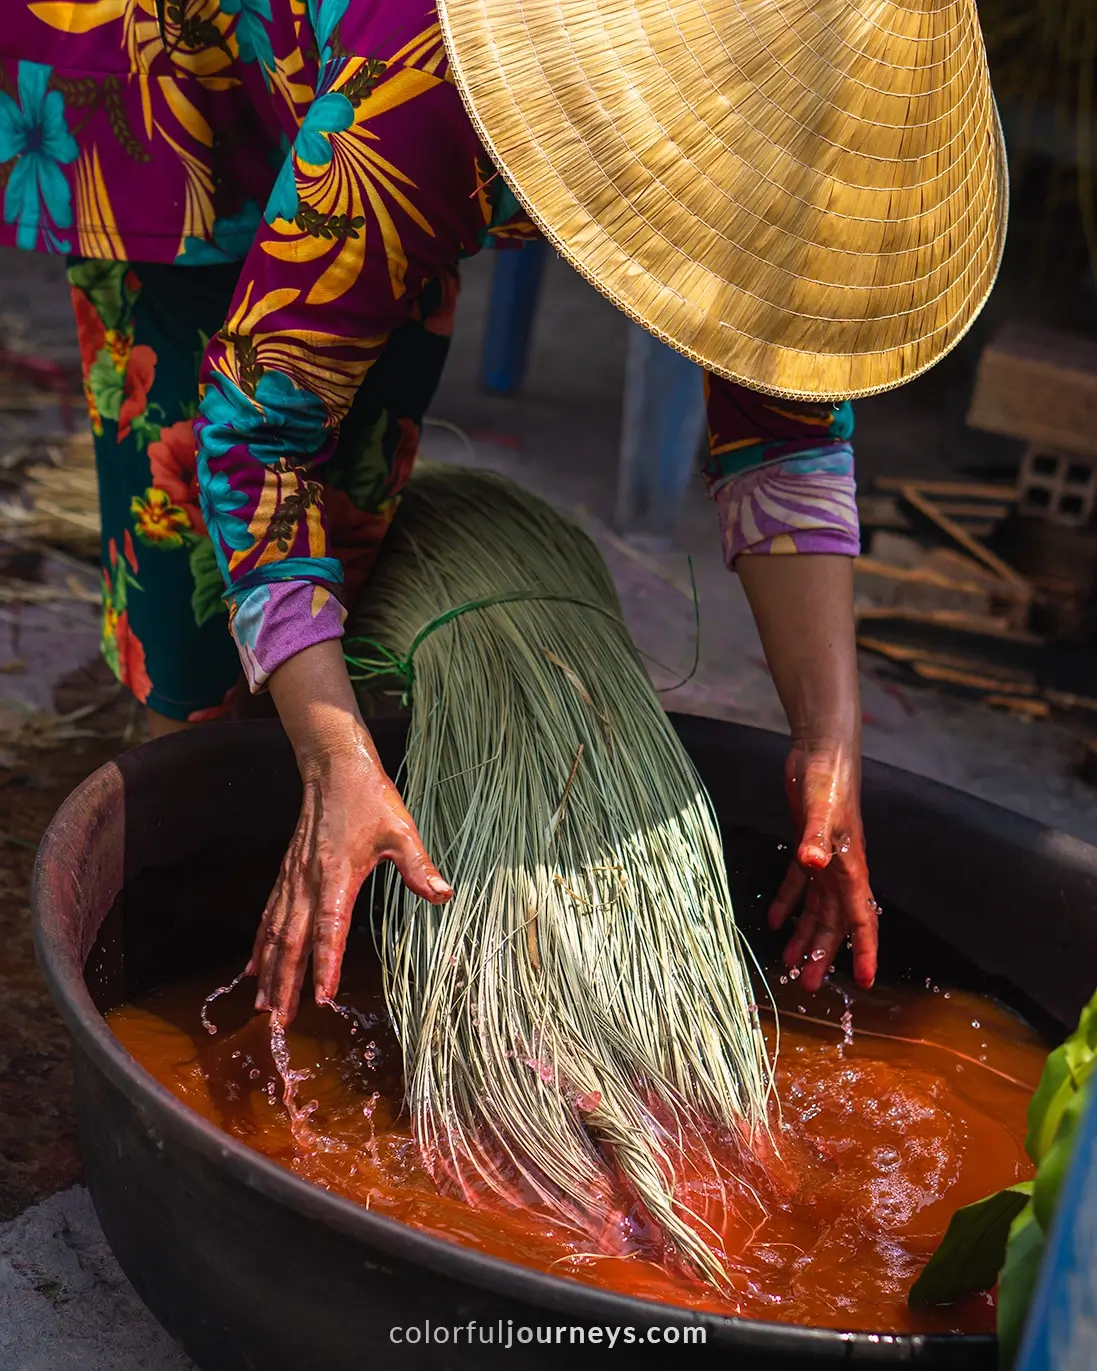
x,y
63,1302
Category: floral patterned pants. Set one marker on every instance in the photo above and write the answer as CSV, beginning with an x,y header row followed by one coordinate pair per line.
x,y
143,331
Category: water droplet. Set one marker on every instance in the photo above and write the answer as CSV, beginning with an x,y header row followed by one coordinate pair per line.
x,y
784,980
207,1024
818,954
948,994
975,1023
801,1009
794,973
847,1027
254,1074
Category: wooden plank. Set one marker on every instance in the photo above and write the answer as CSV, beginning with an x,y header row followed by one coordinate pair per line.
x,y
1040,385
881,511
958,490
1023,709
907,654
982,625
981,528
960,567
882,583
916,499
947,675
923,575
1068,701
961,512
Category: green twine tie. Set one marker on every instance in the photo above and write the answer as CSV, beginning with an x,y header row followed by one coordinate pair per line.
x,y
386,664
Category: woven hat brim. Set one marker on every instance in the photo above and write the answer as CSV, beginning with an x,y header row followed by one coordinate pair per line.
x,y
805,196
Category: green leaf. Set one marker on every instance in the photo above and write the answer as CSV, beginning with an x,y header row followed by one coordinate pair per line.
x,y
144,430
973,1249
122,581
1082,1044
1045,1109
106,284
107,385
1024,1253
1056,1162
207,598
1066,1070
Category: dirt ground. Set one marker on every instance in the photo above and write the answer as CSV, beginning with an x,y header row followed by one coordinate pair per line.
x,y
38,1153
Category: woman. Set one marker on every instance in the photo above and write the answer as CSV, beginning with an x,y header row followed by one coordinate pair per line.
x,y
808,199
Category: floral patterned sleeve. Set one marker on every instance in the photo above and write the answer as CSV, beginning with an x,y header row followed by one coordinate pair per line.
x,y
781,472
379,194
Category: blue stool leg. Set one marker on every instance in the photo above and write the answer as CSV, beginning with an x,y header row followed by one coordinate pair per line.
x,y
663,425
515,286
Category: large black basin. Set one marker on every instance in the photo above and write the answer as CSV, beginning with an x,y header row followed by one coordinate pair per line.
x,y
254,1269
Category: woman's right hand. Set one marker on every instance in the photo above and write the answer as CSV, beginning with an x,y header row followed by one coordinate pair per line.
x,y
352,818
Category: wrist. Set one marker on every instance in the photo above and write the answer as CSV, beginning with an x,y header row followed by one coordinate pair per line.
x,y
331,754
827,735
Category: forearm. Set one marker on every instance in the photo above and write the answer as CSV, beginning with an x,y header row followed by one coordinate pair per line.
x,y
318,709
803,606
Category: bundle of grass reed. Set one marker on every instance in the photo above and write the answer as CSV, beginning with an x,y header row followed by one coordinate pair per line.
x,y
581,1012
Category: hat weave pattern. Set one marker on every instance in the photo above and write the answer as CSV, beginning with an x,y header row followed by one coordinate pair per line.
x,y
805,196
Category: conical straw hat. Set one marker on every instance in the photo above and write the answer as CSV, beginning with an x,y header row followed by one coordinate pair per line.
x,y
807,196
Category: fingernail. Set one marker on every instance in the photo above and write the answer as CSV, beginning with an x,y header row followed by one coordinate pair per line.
x,y
439,887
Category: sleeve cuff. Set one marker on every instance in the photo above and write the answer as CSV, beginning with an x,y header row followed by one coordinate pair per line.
x,y
773,510
273,622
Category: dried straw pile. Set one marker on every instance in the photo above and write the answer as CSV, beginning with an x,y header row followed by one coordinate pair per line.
x,y
59,502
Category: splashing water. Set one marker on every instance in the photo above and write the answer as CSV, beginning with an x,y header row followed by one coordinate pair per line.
x,y
354,1017
299,1114
846,1021
207,1023
372,1147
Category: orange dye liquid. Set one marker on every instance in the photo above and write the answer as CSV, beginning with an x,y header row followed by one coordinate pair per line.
x,y
880,1141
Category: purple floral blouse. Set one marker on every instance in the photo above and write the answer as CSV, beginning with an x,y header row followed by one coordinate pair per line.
x,y
322,143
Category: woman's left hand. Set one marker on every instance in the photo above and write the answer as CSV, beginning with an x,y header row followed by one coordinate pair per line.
x,y
829,875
